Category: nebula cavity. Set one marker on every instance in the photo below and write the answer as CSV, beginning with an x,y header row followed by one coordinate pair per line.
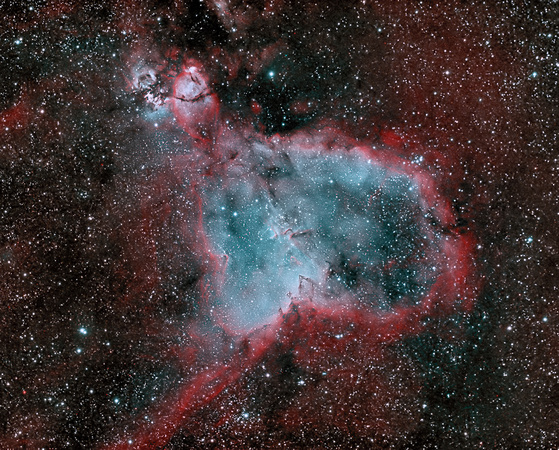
x,y
296,223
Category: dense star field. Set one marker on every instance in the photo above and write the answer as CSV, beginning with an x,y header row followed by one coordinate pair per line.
x,y
279,224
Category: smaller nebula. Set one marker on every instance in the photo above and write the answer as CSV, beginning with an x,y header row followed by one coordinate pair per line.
x,y
193,103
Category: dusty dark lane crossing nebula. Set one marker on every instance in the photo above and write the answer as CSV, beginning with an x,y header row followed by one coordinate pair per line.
x,y
278,225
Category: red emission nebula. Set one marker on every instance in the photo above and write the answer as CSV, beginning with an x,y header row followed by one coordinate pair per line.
x,y
254,225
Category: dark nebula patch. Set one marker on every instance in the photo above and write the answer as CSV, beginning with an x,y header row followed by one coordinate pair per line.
x,y
278,224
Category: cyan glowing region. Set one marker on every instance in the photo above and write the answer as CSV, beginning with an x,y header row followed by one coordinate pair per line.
x,y
313,223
